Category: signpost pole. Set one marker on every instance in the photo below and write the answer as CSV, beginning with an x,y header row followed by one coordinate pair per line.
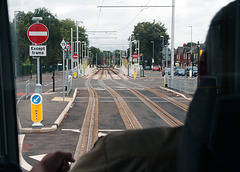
x,y
72,50
38,86
37,34
63,77
38,70
77,51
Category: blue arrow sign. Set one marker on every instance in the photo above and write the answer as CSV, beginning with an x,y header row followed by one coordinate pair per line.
x,y
36,99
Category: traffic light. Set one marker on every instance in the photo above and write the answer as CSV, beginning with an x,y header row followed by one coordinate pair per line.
x,y
141,57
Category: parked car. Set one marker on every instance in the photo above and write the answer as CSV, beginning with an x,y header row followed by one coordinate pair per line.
x,y
195,70
166,70
155,68
147,68
179,72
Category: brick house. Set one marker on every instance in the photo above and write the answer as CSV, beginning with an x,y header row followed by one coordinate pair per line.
x,y
182,57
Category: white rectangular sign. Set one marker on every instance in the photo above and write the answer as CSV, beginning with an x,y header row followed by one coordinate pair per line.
x,y
37,50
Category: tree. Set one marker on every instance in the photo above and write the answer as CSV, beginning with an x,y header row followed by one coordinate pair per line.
x,y
65,30
96,52
23,23
58,29
147,32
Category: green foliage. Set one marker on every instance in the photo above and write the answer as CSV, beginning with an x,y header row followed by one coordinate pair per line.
x,y
58,29
27,62
96,51
189,44
147,32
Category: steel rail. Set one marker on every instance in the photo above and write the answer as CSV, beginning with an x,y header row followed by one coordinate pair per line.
x,y
168,118
165,97
171,100
127,115
89,130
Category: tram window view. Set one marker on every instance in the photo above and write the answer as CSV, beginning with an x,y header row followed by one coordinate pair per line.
x,y
88,96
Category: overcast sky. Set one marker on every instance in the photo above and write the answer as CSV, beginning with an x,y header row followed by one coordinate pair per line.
x,y
195,13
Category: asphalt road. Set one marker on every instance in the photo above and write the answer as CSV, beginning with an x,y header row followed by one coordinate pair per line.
x,y
35,146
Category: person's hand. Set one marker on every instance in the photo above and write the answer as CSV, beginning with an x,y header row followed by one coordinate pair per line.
x,y
56,161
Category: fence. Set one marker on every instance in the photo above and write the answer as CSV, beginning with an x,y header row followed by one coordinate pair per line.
x,y
27,89
68,84
187,85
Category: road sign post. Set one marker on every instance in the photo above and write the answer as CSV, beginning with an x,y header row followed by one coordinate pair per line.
x,y
75,56
63,45
36,110
135,56
38,34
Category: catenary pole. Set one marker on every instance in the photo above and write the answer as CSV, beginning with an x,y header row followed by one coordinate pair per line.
x,y
72,51
172,37
77,51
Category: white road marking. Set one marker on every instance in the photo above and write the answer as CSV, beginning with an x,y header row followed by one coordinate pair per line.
x,y
23,163
109,130
73,130
101,134
38,157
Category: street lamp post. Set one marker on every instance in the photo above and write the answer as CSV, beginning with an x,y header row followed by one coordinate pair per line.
x,y
138,43
191,59
172,37
83,56
153,54
77,23
162,50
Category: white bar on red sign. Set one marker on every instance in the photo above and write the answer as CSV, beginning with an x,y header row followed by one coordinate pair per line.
x,y
38,33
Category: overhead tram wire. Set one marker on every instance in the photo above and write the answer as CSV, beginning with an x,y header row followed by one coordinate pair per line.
x,y
134,6
131,6
99,14
100,10
146,6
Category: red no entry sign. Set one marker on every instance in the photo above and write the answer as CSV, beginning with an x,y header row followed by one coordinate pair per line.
x,y
75,56
135,55
68,46
38,33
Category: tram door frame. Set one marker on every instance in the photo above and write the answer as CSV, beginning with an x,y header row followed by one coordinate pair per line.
x,y
9,153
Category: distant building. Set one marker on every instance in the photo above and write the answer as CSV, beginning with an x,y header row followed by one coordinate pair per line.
x,y
182,55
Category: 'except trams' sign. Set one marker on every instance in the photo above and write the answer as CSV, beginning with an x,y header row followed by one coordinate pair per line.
x,y
37,50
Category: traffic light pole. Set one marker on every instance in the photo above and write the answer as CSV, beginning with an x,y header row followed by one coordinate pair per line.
x,y
63,77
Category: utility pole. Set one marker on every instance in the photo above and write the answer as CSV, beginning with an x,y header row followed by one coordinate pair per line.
x,y
138,52
77,50
153,54
191,54
72,50
96,59
162,50
172,37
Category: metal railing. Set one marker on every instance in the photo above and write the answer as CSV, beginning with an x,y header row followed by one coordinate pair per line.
x,y
69,84
27,89
187,85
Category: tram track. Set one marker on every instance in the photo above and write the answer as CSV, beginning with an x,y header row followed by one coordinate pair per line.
x,y
165,97
168,118
89,129
127,115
